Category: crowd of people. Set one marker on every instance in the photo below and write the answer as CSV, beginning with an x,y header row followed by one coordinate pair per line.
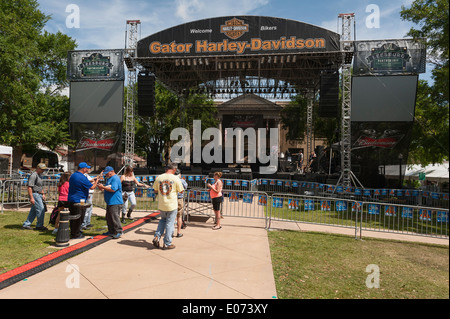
x,y
77,189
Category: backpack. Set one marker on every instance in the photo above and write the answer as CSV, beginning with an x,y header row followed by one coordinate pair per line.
x,y
53,216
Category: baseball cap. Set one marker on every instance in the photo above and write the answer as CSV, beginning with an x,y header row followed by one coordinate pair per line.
x,y
41,166
107,170
83,165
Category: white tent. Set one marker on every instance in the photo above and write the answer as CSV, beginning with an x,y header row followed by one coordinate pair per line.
x,y
433,172
437,173
7,151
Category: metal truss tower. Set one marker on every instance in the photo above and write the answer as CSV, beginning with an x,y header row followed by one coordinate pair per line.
x,y
132,32
309,126
347,47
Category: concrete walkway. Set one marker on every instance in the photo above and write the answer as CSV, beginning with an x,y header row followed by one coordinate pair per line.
x,y
231,263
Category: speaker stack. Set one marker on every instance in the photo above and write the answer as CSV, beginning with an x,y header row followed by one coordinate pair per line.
x,y
329,94
146,94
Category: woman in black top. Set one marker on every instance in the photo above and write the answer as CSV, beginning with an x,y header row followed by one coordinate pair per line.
x,y
128,184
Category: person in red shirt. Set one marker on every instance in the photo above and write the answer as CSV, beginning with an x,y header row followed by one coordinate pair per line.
x,y
215,192
63,191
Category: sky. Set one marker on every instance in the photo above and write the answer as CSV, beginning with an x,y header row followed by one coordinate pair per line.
x,y
102,23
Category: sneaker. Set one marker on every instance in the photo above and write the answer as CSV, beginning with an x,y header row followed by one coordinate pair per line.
x,y
117,236
55,231
27,227
168,247
41,228
155,242
80,236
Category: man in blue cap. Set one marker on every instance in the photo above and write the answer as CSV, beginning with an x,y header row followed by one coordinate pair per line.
x,y
79,186
112,192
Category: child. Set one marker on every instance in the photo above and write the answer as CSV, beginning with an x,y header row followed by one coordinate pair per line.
x,y
63,191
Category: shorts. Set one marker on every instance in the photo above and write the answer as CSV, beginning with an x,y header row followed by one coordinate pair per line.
x,y
180,207
216,201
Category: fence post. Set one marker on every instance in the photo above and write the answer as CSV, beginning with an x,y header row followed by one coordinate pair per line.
x,y
356,219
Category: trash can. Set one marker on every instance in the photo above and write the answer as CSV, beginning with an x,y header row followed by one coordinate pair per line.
x,y
63,234
70,223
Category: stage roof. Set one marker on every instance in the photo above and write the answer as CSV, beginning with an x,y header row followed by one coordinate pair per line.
x,y
229,56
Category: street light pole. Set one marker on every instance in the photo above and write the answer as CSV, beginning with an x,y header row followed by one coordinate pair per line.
x,y
400,158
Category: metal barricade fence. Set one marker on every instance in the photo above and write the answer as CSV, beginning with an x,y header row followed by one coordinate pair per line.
x,y
313,210
365,210
373,216
14,193
404,219
236,203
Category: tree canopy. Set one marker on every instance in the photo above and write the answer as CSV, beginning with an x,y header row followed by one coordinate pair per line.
x,y
430,142
32,71
153,133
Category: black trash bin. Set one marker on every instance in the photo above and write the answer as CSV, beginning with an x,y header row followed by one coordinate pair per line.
x,y
63,234
70,223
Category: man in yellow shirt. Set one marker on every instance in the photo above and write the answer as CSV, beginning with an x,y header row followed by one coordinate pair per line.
x,y
167,186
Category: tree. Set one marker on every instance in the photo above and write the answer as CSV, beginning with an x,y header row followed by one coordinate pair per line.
x,y
430,138
153,133
32,71
293,118
430,143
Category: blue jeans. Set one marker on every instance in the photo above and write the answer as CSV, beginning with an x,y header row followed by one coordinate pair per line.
x,y
37,210
166,223
132,200
88,214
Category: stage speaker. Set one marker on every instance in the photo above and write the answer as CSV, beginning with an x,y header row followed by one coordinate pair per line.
x,y
329,94
146,94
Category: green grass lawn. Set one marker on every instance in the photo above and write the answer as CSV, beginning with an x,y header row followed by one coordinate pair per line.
x,y
315,265
306,265
348,218
19,246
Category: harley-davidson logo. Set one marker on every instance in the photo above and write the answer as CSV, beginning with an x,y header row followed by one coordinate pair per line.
x,y
234,28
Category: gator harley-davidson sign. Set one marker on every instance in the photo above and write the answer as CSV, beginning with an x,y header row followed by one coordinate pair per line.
x,y
239,35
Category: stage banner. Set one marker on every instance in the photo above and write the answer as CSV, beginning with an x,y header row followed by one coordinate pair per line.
x,y
309,204
262,200
425,215
325,205
277,202
233,197
380,143
397,56
293,204
442,217
96,143
390,210
151,193
247,198
238,35
100,136
94,65
407,212
341,205
374,209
